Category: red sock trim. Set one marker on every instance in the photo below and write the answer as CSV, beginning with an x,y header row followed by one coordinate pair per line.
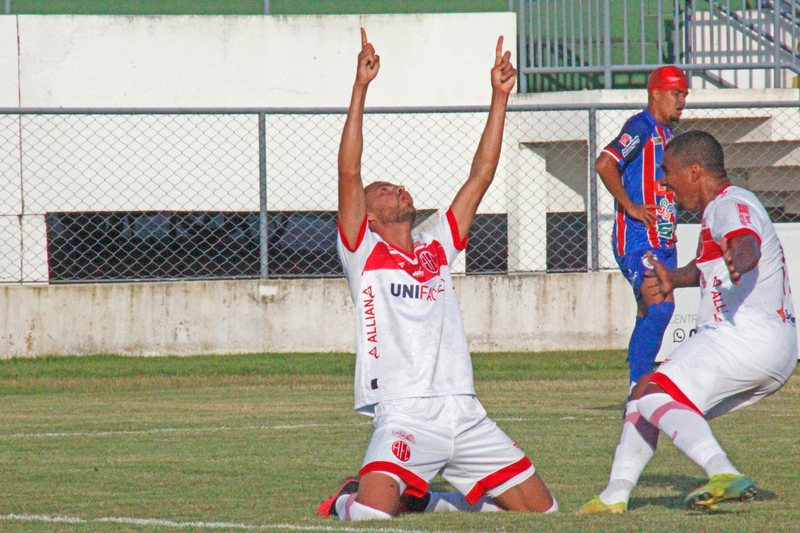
x,y
669,406
670,388
498,478
416,486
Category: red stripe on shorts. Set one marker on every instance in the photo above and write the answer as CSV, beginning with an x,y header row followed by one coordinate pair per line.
x,y
670,388
416,485
498,478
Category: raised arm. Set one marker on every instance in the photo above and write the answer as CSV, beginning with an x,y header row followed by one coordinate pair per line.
x,y
487,156
352,203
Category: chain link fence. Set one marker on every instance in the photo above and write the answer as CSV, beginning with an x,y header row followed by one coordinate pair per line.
x,y
122,195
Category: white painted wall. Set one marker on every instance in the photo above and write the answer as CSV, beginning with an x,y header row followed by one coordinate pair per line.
x,y
9,63
239,61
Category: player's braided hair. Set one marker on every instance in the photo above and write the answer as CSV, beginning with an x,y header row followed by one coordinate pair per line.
x,y
697,146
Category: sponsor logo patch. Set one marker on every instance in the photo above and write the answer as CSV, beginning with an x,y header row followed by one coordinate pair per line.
x,y
403,435
744,214
628,144
417,292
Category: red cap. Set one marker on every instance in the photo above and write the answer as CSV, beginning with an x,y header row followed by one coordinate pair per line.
x,y
667,78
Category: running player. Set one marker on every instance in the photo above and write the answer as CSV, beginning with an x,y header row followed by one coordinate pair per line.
x,y
630,168
745,347
413,368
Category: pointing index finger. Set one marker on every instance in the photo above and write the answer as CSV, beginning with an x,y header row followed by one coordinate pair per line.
x,y
498,53
363,38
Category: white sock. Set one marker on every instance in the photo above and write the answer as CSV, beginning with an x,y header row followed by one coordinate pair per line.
x,y
636,447
553,508
455,501
349,509
689,431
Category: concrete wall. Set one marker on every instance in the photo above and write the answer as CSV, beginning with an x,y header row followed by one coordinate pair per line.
x,y
526,313
237,61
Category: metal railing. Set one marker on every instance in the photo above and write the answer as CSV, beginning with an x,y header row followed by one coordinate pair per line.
x,y
157,194
578,44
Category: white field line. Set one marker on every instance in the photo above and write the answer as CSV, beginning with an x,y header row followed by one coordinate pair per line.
x,y
224,428
173,430
273,428
199,525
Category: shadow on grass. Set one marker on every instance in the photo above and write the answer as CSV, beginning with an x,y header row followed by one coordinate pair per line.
x,y
684,485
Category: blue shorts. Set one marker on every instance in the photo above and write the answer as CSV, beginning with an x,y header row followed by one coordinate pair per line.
x,y
634,265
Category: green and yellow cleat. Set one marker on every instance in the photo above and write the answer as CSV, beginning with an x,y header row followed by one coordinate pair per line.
x,y
595,506
720,488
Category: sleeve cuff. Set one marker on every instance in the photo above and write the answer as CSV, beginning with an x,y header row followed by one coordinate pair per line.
x,y
360,238
743,231
457,242
608,150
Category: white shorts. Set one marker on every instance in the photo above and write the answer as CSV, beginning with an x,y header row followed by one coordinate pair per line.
x,y
719,370
416,438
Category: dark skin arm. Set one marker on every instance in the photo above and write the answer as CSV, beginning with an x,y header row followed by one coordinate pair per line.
x,y
668,280
741,254
352,202
606,167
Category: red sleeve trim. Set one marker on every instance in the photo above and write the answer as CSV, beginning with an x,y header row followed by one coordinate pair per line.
x,y
416,486
724,190
670,388
459,244
743,231
610,151
361,233
498,478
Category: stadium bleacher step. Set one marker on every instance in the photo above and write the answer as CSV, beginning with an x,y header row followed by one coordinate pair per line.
x,y
730,129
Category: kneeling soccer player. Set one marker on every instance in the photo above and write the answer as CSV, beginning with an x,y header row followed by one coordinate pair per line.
x,y
745,347
413,368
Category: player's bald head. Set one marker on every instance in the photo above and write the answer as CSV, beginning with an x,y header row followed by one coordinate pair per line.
x,y
698,147
374,185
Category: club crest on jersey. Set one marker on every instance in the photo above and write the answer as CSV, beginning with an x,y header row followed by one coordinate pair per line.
x,y
427,260
646,262
401,450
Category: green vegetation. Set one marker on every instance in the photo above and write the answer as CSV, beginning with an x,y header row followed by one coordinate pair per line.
x,y
251,7
260,440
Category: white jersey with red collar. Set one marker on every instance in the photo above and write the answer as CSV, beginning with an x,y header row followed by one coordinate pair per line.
x,y
410,339
764,293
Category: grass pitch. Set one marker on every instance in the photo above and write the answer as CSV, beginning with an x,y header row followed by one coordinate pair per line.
x,y
255,443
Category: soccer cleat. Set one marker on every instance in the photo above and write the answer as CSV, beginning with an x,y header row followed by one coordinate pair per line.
x,y
414,504
328,507
720,488
595,506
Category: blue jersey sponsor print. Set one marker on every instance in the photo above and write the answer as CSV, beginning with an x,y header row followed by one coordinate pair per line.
x,y
638,150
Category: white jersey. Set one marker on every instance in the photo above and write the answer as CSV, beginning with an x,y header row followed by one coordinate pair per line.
x,y
763,300
410,339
